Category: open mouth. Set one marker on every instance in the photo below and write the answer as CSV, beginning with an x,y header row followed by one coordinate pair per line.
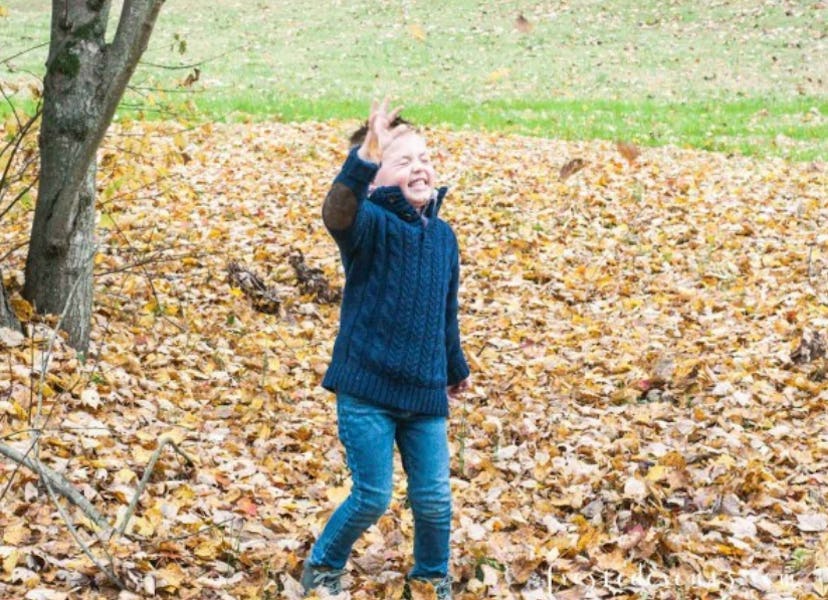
x,y
419,184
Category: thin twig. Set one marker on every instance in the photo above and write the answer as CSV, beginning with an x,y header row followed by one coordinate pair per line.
x,y
22,52
22,174
19,196
153,260
138,89
60,485
38,429
199,531
188,67
108,571
9,102
15,143
145,479
13,249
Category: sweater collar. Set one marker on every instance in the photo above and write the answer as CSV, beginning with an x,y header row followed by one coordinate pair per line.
x,y
391,198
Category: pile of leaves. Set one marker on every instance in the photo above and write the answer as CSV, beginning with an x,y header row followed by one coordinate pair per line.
x,y
647,417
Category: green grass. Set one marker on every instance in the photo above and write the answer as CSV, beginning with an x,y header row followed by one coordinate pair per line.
x,y
738,76
750,127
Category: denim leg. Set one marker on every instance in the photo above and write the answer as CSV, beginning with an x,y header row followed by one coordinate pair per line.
x,y
367,432
423,444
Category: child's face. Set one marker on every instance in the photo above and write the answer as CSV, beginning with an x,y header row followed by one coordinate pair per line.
x,y
406,163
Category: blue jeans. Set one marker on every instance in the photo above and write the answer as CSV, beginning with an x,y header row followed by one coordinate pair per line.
x,y
368,432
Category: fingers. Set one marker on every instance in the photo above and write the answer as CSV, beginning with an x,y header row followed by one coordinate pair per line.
x,y
394,114
380,133
380,112
398,131
458,388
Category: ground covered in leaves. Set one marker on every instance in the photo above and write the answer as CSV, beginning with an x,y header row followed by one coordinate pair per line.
x,y
646,333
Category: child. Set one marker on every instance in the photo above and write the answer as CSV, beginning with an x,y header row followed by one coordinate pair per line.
x,y
397,356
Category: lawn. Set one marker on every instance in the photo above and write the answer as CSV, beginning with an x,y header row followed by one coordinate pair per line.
x,y
738,76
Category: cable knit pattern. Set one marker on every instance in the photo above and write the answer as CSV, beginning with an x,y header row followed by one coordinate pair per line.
x,y
399,341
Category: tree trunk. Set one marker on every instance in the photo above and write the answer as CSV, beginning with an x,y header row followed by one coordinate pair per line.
x,y
85,80
7,316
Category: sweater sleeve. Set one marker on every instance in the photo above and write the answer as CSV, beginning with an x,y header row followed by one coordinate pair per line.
x,y
343,212
458,369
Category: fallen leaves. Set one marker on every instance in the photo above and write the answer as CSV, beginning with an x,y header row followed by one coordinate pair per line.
x,y
10,338
811,347
812,522
638,417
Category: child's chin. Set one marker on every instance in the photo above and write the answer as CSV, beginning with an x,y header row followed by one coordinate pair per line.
x,y
419,200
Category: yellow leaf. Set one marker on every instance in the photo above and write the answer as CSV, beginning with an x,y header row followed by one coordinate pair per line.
x,y
15,534
125,476
142,526
337,495
657,473
105,222
497,75
170,577
417,32
21,308
10,562
208,550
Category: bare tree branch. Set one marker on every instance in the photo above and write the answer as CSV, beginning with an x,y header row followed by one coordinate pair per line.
x,y
193,65
59,485
22,52
14,111
145,479
108,571
17,198
16,142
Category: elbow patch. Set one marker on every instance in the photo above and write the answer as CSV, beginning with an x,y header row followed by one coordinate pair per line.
x,y
340,207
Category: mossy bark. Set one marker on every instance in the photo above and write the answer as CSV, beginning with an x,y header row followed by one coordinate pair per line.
x,y
85,80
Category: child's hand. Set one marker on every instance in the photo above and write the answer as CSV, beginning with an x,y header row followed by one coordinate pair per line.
x,y
458,388
380,134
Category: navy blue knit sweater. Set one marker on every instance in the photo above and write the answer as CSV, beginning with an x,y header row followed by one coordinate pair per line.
x,y
398,343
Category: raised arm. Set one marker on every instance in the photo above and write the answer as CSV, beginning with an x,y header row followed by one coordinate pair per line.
x,y
343,200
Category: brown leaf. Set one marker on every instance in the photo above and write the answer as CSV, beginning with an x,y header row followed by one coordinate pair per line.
x,y
421,590
192,77
263,298
312,280
523,25
571,167
628,150
811,346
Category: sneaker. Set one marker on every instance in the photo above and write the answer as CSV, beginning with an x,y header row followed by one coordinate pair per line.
x,y
442,587
322,577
